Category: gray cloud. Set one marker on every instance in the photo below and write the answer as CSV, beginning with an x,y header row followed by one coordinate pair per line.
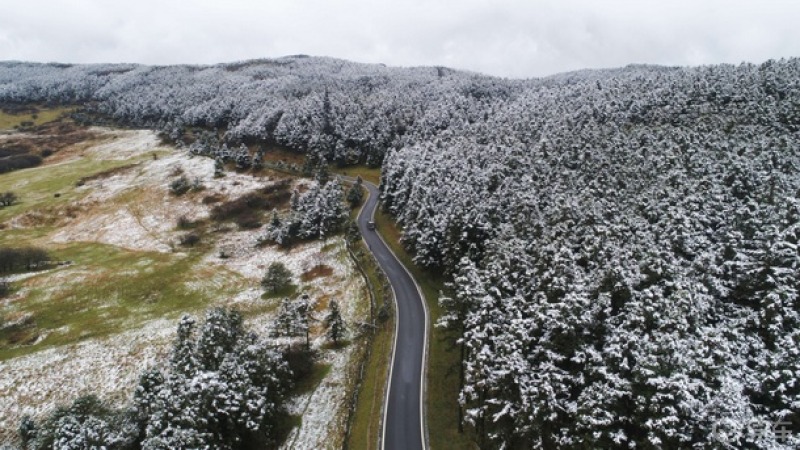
x,y
499,37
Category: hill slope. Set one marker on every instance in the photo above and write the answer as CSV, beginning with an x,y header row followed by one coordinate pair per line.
x,y
623,243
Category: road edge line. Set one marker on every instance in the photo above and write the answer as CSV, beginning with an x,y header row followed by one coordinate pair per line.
x,y
424,372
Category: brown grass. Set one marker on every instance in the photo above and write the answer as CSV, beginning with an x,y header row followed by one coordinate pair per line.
x,y
315,272
275,154
54,136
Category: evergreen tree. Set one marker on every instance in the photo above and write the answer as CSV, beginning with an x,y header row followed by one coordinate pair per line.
x,y
220,333
293,318
356,193
184,353
87,423
277,279
334,322
321,172
219,168
310,164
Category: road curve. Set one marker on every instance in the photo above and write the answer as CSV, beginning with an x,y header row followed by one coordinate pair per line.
x,y
403,416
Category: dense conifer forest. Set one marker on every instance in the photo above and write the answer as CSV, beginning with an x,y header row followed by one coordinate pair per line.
x,y
622,244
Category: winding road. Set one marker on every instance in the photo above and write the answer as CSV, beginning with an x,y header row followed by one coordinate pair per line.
x,y
403,415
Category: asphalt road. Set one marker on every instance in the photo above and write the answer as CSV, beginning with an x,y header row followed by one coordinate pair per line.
x,y
403,415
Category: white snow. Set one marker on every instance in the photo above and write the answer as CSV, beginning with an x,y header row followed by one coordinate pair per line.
x,y
109,367
145,221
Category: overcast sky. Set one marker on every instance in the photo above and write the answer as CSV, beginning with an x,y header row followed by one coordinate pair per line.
x,y
499,37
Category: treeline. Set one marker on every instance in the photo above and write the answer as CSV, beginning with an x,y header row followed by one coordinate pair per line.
x,y
625,265
623,244
316,214
21,259
344,112
17,162
223,388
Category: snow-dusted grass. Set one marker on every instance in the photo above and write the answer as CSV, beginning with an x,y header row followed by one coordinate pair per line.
x,y
108,289
108,367
95,324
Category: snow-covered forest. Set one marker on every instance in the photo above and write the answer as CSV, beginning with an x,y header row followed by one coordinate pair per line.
x,y
623,244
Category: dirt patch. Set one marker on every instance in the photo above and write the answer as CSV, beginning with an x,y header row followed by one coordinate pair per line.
x,y
318,271
212,199
246,211
18,330
48,140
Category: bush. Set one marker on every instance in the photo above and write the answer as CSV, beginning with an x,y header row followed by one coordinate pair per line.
x,y
212,199
249,221
184,223
179,186
271,197
189,240
17,162
8,199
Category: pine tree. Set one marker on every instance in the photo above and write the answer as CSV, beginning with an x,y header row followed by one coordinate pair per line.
x,y
184,354
303,312
356,193
219,168
285,321
334,322
310,164
277,279
221,331
321,172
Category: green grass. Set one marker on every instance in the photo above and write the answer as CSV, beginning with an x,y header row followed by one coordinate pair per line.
x,y
288,291
312,380
371,174
365,428
109,290
36,187
20,237
443,353
9,121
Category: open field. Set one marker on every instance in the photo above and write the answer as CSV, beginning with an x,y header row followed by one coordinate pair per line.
x,y
37,116
371,174
104,206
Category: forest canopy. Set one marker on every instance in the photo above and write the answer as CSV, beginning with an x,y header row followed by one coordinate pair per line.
x,y
622,244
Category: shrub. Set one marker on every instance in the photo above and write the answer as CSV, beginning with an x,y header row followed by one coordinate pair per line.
x,y
212,199
251,220
197,185
184,223
8,199
17,162
5,289
189,239
179,186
